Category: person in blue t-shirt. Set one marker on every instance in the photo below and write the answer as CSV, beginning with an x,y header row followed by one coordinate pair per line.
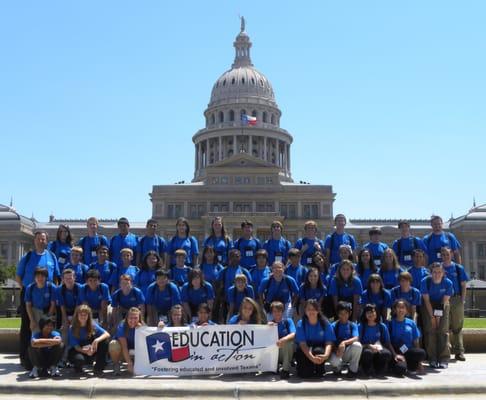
x,y
338,238
194,292
76,265
277,246
437,239
390,269
219,241
312,288
375,339
88,341
248,245
182,241
237,293
125,268
210,266
404,337
96,295
375,293
179,273
286,336
436,291
24,276
345,253
126,297
203,316
278,287
348,348
62,246
365,266
92,241
105,267
45,349
260,270
124,240
345,286
376,247
295,269
249,313
151,242
310,243
146,276
406,291
457,275
419,268
123,343
315,339
162,295
406,244
40,298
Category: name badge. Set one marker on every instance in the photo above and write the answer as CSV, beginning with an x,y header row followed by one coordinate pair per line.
x,y
70,318
93,253
220,258
61,260
309,260
377,263
404,349
408,257
278,258
438,313
439,256
249,253
131,352
96,320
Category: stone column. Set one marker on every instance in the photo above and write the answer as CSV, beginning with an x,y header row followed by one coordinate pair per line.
x,y
474,265
466,254
285,159
207,152
196,167
288,158
234,145
220,149
265,149
250,145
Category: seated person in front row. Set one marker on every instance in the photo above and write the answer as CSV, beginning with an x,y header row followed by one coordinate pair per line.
x,y
203,314
45,349
88,341
123,343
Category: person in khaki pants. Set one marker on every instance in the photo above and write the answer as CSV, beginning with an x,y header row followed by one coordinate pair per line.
x,y
457,275
436,292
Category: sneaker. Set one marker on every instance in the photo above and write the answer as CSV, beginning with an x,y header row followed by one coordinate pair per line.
x,y
98,372
61,364
351,375
54,371
116,369
443,365
34,373
460,357
434,364
284,374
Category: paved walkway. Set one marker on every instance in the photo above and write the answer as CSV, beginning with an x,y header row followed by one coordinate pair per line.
x,y
460,378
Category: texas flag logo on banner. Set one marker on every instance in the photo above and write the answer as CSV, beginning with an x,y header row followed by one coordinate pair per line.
x,y
159,347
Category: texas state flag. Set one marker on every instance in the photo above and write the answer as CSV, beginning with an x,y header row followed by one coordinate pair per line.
x,y
248,120
159,347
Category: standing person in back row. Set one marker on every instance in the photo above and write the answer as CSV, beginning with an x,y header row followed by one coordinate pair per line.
x,y
438,239
376,247
277,246
219,240
406,244
124,240
92,242
248,245
151,242
182,241
39,257
338,238
310,243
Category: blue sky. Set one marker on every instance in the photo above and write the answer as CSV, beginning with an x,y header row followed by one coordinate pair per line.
x,y
99,100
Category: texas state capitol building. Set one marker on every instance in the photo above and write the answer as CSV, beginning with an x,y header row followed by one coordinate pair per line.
x,y
245,172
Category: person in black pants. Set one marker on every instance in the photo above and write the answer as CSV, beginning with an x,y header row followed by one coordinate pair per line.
x,y
88,341
45,348
375,339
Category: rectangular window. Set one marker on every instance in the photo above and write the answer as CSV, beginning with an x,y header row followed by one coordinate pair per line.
x,y
310,210
265,207
219,207
288,210
3,251
482,272
242,207
175,210
481,250
197,210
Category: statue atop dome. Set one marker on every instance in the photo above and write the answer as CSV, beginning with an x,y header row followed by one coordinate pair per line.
x,y
242,29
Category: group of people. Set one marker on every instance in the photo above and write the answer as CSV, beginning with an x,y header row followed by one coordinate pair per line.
x,y
331,301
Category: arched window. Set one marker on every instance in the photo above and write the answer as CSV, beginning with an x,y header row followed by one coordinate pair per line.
x,y
231,115
243,81
254,113
243,112
252,81
211,158
213,119
233,81
264,116
221,116
272,119
224,82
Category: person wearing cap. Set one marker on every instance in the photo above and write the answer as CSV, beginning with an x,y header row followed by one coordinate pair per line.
x,y
151,242
248,245
124,240
184,241
406,244
376,247
338,238
277,246
437,239
92,241
179,273
310,243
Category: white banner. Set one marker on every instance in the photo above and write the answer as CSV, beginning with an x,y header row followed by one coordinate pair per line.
x,y
208,350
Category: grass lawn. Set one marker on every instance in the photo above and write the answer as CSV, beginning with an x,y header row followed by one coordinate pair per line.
x,y
9,322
